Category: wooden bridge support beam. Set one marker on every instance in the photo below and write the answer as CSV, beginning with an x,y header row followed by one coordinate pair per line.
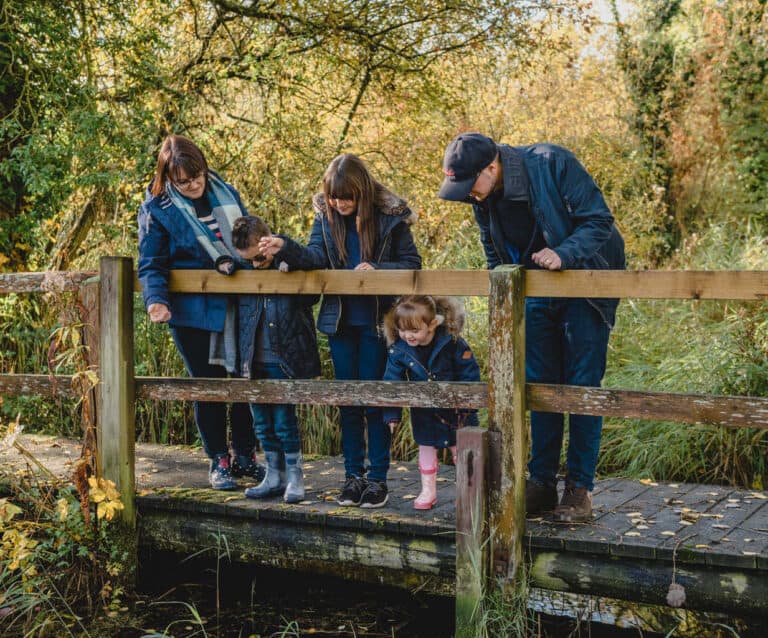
x,y
471,530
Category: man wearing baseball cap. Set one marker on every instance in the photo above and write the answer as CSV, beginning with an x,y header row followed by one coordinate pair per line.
x,y
537,206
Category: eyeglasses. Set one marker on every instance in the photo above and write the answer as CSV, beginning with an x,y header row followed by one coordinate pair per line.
x,y
184,184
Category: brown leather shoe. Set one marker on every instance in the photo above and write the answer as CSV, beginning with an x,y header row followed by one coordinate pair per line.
x,y
539,498
575,505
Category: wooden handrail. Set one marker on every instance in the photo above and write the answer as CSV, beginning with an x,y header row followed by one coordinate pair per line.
x,y
642,284
746,285
731,411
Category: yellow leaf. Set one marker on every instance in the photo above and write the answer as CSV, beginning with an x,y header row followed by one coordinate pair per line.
x,y
62,507
8,510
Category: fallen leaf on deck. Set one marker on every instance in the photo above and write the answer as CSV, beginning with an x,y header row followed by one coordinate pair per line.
x,y
408,497
749,553
701,546
632,534
648,482
759,495
667,533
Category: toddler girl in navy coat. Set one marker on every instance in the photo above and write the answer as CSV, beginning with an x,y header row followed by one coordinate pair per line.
x,y
424,344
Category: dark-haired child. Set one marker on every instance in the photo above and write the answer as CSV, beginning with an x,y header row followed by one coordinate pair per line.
x,y
424,344
277,340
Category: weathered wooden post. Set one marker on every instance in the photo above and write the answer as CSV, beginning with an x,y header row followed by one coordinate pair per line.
x,y
506,421
115,431
88,299
471,530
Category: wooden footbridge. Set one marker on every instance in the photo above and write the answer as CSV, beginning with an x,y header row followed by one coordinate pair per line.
x,y
711,540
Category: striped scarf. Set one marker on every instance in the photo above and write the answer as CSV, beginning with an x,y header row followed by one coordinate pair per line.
x,y
222,349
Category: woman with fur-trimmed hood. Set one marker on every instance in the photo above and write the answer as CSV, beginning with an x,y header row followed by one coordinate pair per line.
x,y
425,344
359,225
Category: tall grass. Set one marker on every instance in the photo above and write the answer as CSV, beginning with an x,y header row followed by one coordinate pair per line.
x,y
709,347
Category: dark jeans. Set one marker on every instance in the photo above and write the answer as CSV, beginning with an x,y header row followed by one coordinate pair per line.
x,y
275,423
566,343
359,353
211,418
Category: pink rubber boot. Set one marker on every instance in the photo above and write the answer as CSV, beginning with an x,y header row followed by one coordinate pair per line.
x,y
428,469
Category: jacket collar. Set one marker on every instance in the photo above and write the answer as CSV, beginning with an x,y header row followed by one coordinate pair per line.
x,y
514,173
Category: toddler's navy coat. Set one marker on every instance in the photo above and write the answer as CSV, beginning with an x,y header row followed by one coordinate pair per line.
x,y
451,360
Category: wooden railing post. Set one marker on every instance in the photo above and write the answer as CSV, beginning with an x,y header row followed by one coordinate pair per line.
x,y
506,416
115,433
471,530
88,300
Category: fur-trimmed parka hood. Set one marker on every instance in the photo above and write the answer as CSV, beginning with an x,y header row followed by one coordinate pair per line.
x,y
450,309
387,203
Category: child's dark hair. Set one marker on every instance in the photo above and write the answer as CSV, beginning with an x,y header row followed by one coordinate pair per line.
x,y
248,230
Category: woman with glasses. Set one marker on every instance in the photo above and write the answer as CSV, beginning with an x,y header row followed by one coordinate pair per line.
x,y
186,222
359,225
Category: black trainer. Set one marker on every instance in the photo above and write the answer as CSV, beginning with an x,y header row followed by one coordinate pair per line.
x,y
375,495
352,492
247,466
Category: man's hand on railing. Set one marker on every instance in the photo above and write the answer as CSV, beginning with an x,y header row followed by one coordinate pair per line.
x,y
547,259
158,313
393,425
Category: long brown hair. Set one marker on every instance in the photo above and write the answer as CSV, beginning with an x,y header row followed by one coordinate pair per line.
x,y
347,177
177,153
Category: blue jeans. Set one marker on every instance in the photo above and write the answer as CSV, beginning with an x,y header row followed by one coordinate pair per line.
x,y
275,424
211,417
359,353
566,343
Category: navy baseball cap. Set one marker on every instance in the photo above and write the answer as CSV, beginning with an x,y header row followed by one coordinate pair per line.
x,y
465,158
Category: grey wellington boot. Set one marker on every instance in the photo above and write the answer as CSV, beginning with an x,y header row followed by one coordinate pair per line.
x,y
294,492
274,480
